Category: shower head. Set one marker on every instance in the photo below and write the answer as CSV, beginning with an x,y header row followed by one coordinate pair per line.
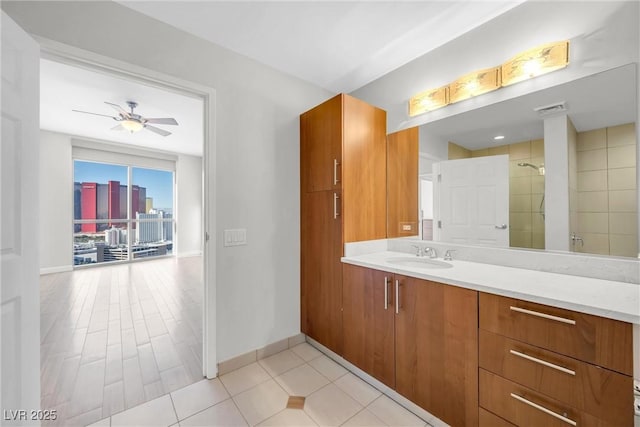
x,y
528,164
540,169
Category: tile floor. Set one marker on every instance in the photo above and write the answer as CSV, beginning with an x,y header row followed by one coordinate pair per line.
x,y
257,394
113,337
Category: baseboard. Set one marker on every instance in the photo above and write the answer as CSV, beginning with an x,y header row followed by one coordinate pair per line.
x,y
260,353
50,270
382,388
188,254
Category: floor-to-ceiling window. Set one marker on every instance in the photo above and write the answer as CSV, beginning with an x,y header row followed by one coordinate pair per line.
x,y
121,212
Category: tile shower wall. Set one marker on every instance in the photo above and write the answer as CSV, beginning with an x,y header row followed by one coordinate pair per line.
x,y
607,194
526,189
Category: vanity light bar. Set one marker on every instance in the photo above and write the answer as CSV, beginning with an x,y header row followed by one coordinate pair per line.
x,y
428,100
531,63
473,84
535,62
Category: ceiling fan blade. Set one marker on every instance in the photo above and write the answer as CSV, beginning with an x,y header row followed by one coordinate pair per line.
x,y
163,121
118,128
119,109
157,130
95,114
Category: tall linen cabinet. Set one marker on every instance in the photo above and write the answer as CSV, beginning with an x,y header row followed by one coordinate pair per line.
x,y
343,199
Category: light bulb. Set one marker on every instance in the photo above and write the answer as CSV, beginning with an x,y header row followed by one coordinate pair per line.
x,y
532,67
132,125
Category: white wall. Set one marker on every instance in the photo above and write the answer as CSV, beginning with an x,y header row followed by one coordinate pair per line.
x,y
556,186
257,164
56,202
189,205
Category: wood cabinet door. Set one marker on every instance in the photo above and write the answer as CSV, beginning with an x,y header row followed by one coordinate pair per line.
x,y
368,319
321,147
437,349
321,269
365,171
402,183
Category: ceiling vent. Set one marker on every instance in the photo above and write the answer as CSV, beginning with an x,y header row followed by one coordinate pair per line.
x,y
546,110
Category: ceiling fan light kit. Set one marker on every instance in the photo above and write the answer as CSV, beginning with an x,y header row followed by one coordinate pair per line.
x,y
132,122
132,125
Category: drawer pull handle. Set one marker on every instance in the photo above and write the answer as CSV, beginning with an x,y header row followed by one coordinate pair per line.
x,y
546,316
542,362
543,409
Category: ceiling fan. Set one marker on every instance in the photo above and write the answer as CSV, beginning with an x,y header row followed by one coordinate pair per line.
x,y
132,122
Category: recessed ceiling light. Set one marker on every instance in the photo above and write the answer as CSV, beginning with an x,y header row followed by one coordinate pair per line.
x,y
499,137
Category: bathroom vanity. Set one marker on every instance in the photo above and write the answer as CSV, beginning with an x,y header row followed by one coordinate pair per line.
x,y
481,344
470,342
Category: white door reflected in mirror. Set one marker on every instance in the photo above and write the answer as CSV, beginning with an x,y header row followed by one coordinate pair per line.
x,y
471,201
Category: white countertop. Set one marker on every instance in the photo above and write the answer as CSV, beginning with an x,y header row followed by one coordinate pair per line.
x,y
615,300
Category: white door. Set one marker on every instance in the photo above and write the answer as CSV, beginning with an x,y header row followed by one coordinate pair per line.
x,y
19,210
472,197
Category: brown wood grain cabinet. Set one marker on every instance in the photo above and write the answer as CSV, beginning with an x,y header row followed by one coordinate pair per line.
x,y
321,147
402,183
419,337
368,316
543,365
522,406
600,392
437,349
321,269
488,419
593,339
343,199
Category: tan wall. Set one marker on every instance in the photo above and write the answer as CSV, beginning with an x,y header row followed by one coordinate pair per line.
x,y
607,195
457,152
526,189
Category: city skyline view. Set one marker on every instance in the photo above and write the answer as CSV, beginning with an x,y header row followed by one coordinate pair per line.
x,y
117,220
159,183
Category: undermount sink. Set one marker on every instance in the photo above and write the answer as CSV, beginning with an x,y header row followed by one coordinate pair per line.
x,y
418,262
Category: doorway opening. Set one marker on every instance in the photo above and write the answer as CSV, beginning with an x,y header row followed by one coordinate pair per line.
x,y
426,207
128,332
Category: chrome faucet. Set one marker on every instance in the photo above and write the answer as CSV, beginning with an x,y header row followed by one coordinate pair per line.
x,y
447,255
419,250
430,252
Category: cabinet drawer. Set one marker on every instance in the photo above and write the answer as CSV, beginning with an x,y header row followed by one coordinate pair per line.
x,y
600,392
593,339
524,407
487,419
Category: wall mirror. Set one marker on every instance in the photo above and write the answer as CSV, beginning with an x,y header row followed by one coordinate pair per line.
x,y
601,168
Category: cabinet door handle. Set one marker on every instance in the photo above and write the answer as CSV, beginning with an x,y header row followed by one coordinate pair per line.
x,y
543,315
386,292
543,362
397,296
543,409
336,214
336,163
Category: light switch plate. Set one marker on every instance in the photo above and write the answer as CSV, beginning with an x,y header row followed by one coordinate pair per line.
x,y
235,237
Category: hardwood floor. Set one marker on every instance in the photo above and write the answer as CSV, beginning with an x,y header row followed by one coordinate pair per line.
x,y
115,336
